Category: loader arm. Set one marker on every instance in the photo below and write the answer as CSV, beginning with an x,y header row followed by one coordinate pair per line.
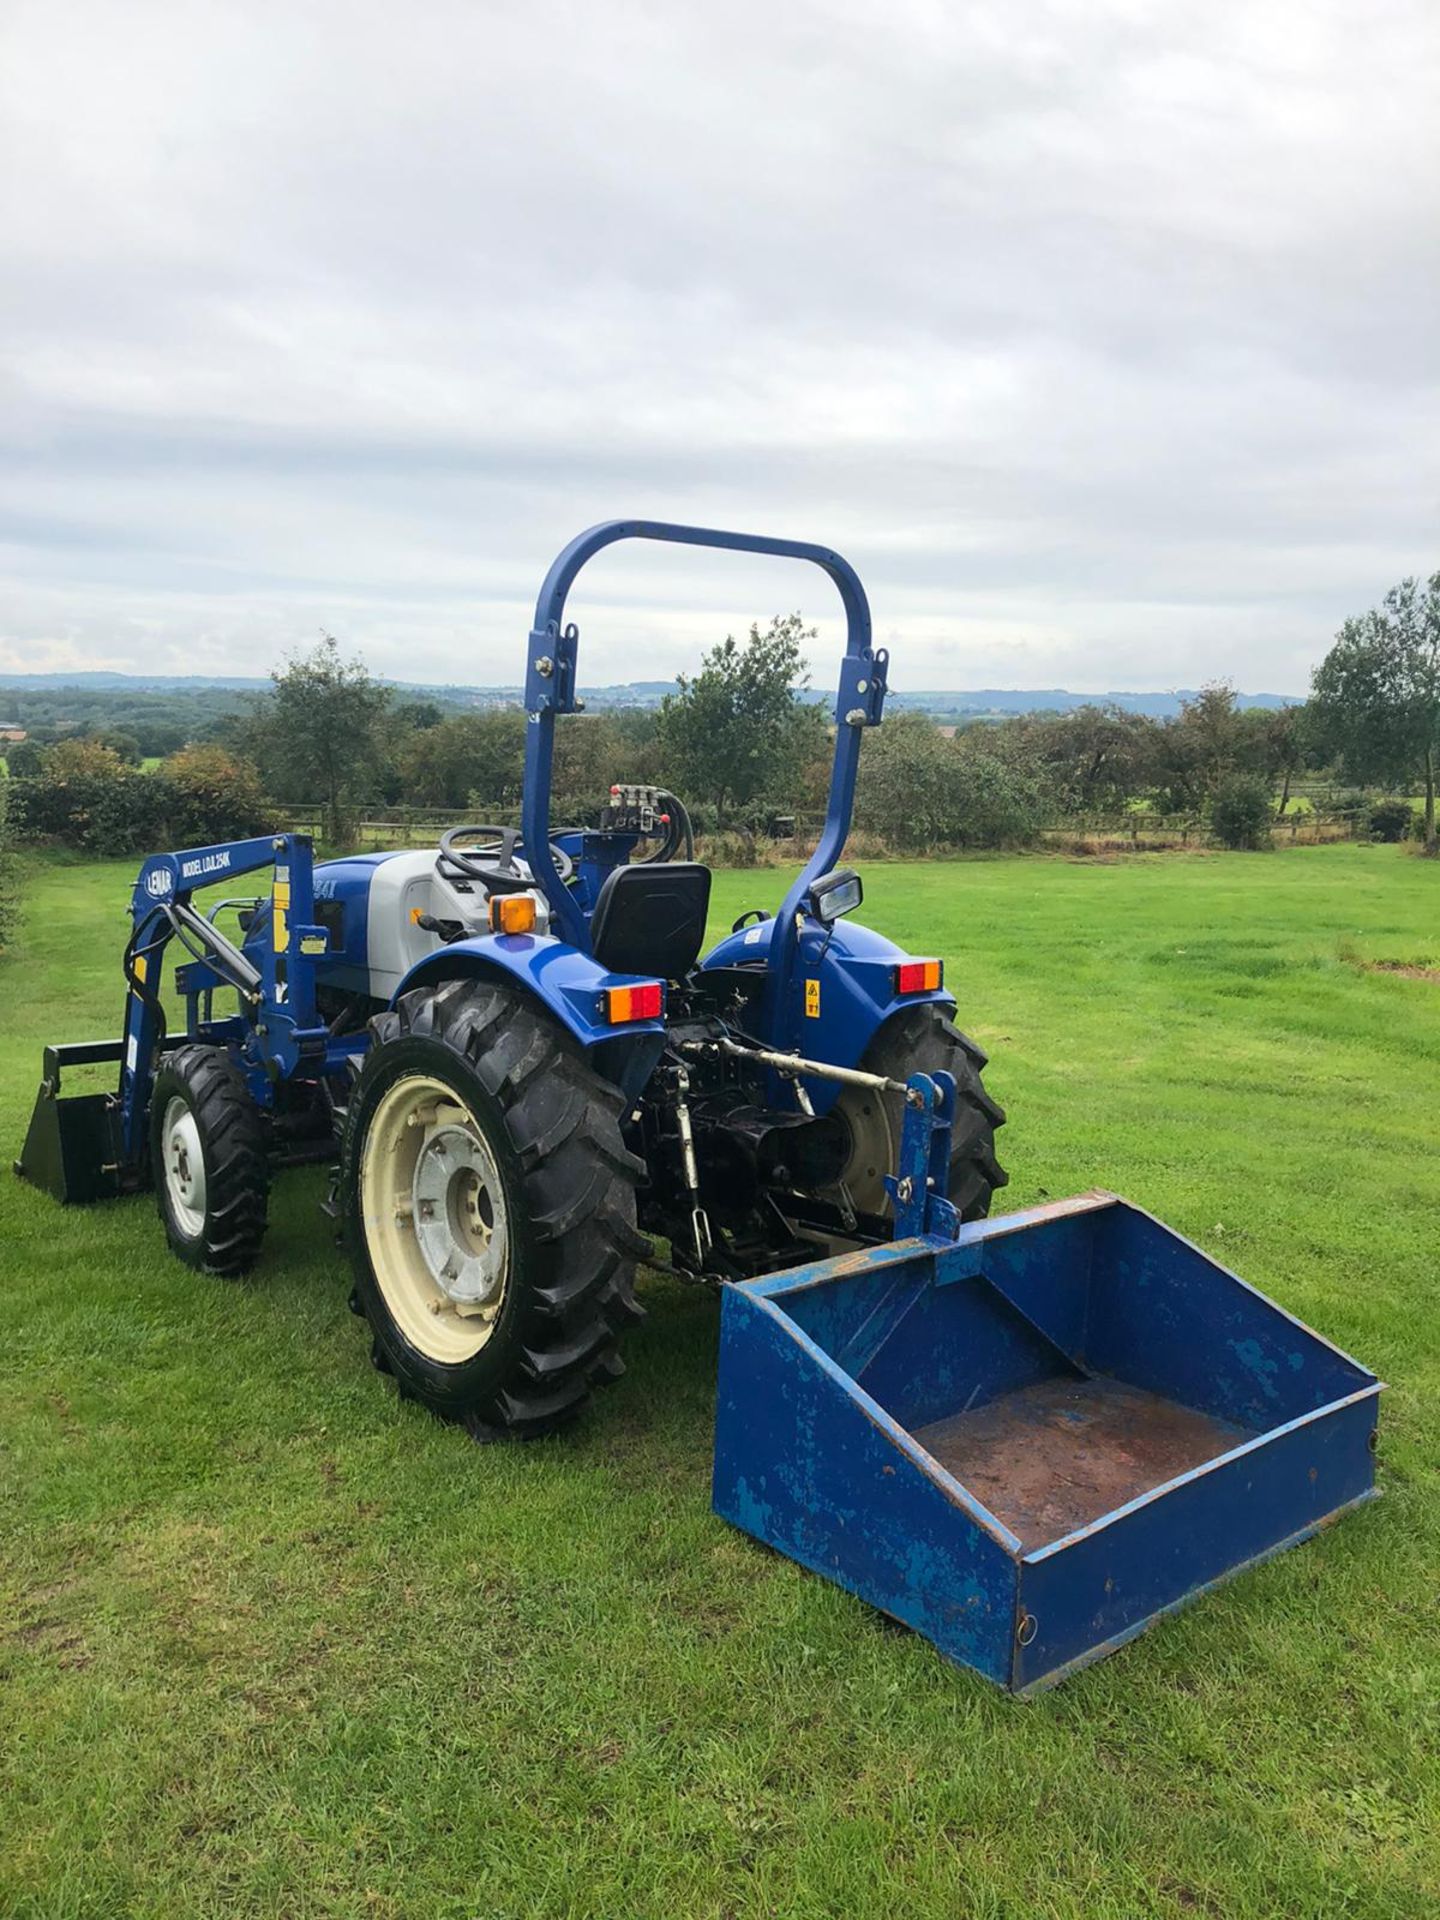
x,y
280,989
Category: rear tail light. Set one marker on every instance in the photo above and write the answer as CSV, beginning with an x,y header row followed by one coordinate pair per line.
x,y
918,976
643,1002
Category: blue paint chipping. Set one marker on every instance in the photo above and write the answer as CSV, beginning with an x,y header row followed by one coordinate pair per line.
x,y
1031,1441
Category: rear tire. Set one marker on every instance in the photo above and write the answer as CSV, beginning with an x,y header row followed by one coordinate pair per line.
x,y
489,1206
209,1161
923,1039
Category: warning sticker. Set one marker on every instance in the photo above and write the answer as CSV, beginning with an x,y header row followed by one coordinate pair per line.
x,y
812,999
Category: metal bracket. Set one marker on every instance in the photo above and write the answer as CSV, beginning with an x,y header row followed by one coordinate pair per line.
x,y
550,672
917,1189
860,701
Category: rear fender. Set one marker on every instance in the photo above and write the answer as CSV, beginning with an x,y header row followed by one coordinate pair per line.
x,y
568,984
841,992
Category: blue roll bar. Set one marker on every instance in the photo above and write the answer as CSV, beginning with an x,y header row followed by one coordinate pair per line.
x,y
550,690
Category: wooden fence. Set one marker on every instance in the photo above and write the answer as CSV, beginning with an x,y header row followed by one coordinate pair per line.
x,y
384,829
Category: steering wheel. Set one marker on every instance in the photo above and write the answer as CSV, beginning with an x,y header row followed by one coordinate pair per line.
x,y
492,863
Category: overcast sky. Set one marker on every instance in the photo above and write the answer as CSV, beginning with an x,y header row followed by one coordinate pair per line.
x,y
1105,339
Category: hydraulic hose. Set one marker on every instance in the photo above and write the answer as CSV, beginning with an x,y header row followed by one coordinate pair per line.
x,y
677,830
137,985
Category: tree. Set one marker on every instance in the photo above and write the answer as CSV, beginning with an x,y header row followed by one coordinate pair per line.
x,y
82,759
468,753
587,759
1214,732
214,796
1093,760
637,729
121,743
736,734
1377,693
321,729
922,791
85,796
157,738
1276,746
1240,812
1391,820
25,759
9,873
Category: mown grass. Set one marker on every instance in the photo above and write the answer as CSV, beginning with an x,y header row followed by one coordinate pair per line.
x,y
273,1644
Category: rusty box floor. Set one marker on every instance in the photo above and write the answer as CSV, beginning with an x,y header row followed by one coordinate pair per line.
x,y
1052,1457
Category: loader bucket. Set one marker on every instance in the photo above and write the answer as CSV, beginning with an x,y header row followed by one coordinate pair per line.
x,y
72,1148
1032,1440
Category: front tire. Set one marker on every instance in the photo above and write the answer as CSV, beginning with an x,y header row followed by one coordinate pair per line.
x,y
209,1162
489,1206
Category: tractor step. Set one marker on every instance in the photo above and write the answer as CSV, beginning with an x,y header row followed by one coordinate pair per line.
x,y
1030,1441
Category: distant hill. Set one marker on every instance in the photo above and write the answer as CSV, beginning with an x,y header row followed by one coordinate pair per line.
x,y
993,702
1010,700
101,682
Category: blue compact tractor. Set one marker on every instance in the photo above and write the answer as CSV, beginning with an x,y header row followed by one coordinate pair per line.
x,y
1027,1437
525,1061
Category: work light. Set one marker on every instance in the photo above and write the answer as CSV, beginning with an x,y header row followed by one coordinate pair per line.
x,y
834,894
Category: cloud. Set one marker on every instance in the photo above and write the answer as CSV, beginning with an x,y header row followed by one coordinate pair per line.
x,y
1101,337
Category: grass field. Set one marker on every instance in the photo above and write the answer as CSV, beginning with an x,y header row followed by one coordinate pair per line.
x,y
273,1644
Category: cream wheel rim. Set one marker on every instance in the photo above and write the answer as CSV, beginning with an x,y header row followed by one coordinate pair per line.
x,y
184,1167
437,1228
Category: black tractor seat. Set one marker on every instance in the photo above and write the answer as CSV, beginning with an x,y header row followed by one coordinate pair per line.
x,y
651,919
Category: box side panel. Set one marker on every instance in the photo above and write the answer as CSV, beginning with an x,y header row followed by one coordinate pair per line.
x,y
851,1315
959,1347
1165,1317
1044,1270
804,1465
1104,1583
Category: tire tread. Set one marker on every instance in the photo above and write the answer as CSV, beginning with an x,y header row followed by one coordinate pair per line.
x,y
925,1039
237,1167
577,1182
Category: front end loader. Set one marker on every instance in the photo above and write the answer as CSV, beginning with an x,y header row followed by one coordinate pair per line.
x,y
1025,1437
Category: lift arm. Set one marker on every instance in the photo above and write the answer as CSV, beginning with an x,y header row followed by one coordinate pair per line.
x,y
277,996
